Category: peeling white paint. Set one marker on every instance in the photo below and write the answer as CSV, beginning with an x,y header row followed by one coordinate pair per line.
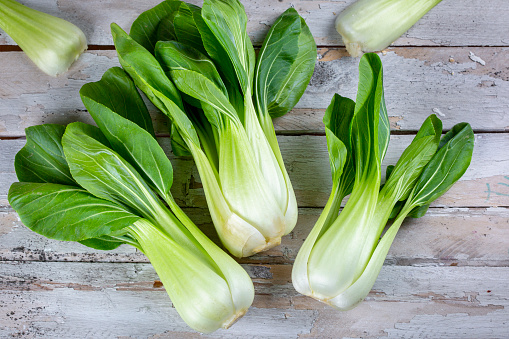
x,y
477,59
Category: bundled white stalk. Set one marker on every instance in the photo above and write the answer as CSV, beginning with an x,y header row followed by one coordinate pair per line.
x,y
342,256
53,44
372,25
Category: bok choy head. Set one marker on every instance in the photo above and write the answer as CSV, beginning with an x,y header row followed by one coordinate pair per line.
x,y
198,66
342,256
53,44
102,186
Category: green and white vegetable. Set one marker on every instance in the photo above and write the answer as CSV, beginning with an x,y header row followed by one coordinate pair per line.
x,y
53,44
198,66
105,186
372,25
342,256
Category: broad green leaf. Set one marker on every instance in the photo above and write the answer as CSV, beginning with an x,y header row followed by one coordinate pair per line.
x,y
142,66
104,173
452,133
65,212
227,21
195,75
104,243
42,159
414,158
214,103
366,118
337,155
223,63
418,211
165,30
285,64
174,55
117,92
130,141
145,28
186,30
338,118
151,79
446,166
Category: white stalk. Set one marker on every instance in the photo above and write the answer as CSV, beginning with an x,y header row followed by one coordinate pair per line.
x,y
372,25
53,44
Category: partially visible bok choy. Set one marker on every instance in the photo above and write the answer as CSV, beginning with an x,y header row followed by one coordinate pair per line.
x,y
53,44
103,187
372,25
198,66
342,256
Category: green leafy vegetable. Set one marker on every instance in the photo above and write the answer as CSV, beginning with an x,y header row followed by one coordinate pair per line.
x,y
342,256
220,100
53,44
372,25
117,175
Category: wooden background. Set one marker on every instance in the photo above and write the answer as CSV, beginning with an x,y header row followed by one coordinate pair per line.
x,y
446,275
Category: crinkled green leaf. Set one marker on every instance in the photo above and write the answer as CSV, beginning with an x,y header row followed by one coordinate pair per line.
x,y
42,159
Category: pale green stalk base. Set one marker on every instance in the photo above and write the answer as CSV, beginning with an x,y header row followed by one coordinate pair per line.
x,y
53,44
372,25
208,289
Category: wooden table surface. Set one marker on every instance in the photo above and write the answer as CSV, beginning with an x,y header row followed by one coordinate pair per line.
x,y
446,275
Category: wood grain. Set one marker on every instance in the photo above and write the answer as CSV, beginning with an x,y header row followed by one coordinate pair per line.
x,y
451,23
64,300
418,82
446,273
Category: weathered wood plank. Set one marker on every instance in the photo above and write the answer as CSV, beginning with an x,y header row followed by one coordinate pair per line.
x,y
451,23
483,185
63,300
418,82
451,236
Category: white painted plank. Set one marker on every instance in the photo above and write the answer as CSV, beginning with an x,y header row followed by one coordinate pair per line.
x,y
418,82
451,23
62,300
